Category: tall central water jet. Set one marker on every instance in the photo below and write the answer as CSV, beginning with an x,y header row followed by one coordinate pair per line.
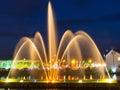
x,y
52,43
51,33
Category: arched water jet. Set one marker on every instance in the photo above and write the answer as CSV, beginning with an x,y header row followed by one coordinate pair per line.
x,y
39,43
81,37
66,38
21,41
30,57
98,56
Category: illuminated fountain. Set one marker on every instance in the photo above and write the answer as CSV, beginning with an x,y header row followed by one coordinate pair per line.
x,y
75,57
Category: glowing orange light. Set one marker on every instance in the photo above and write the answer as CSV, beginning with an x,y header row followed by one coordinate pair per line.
x,y
73,61
90,61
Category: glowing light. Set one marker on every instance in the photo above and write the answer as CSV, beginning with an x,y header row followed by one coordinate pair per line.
x,y
66,66
55,66
114,77
64,81
90,61
50,81
91,77
109,80
80,81
73,61
8,80
48,68
34,49
114,69
98,65
21,81
64,77
118,58
34,80
53,81
64,61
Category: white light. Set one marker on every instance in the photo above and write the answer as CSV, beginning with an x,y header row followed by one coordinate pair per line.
x,y
104,64
114,77
98,65
34,80
114,69
55,66
66,66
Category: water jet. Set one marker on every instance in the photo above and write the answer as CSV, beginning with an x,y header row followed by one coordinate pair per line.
x,y
76,55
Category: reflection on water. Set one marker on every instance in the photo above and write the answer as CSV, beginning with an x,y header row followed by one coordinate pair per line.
x,y
65,89
114,76
30,89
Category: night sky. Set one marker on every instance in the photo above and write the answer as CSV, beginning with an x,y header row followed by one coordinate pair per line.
x,y
99,18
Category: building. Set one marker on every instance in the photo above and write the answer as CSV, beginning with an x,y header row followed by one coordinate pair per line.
x,y
113,60
19,64
5,64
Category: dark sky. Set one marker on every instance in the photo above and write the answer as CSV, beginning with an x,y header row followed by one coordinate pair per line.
x,y
99,18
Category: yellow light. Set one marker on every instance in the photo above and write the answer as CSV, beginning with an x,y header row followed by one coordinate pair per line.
x,y
53,81
118,58
80,81
109,80
64,61
7,80
21,81
73,61
90,61
47,81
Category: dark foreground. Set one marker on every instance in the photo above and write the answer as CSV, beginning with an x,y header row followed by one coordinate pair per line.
x,y
74,86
